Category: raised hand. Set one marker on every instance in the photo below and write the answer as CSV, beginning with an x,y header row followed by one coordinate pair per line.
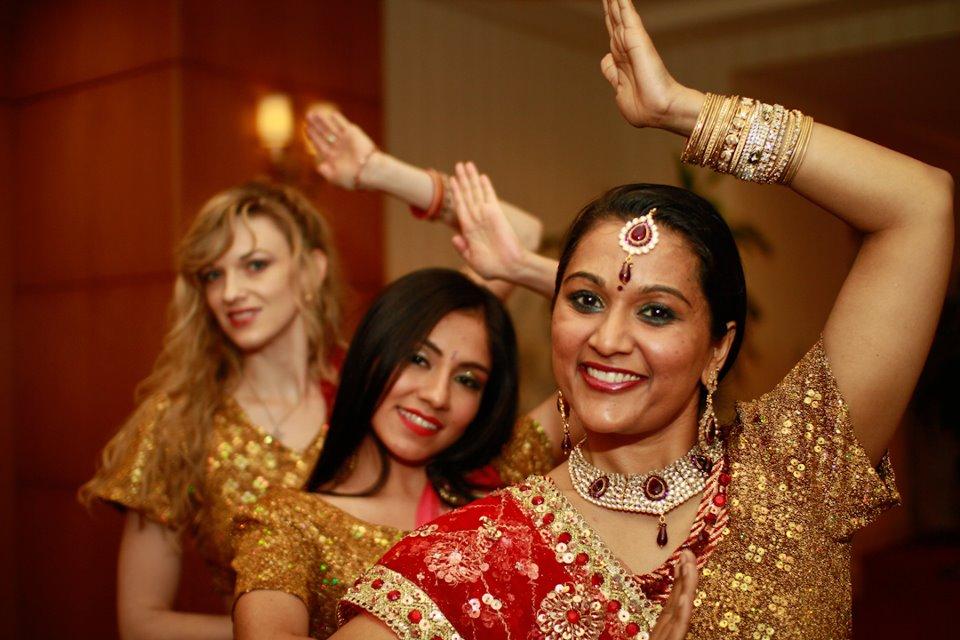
x,y
645,90
674,620
487,242
341,147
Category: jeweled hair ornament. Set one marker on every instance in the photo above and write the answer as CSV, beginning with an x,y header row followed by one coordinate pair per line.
x,y
637,237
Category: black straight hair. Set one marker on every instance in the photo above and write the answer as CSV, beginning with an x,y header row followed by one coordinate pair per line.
x,y
706,232
390,333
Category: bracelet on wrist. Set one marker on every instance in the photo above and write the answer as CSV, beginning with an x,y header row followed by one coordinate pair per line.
x,y
433,209
754,141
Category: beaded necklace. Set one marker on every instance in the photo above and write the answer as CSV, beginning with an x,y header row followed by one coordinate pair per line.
x,y
655,493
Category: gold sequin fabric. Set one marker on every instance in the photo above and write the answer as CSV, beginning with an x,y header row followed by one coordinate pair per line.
x,y
801,486
298,543
242,463
527,452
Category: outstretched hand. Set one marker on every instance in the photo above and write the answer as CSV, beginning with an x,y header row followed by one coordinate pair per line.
x,y
487,242
645,90
674,620
341,147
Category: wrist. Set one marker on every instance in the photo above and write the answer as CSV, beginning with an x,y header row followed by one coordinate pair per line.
x,y
373,174
681,114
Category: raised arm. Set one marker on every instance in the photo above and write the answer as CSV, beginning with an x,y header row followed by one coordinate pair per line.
x,y
347,157
148,573
879,331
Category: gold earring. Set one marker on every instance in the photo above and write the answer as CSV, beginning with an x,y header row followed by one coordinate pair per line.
x,y
708,429
566,445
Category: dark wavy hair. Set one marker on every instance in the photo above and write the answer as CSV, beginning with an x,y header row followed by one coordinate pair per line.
x,y
397,324
707,234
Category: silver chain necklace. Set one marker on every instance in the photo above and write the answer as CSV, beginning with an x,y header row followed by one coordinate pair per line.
x,y
655,493
276,425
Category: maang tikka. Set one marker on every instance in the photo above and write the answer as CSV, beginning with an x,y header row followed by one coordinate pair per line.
x,y
637,237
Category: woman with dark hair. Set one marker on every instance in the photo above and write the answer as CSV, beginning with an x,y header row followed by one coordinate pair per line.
x,y
648,315
427,401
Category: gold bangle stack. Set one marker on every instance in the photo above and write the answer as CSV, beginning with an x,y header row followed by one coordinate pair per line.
x,y
752,140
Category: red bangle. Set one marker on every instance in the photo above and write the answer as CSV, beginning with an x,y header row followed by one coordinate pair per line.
x,y
434,207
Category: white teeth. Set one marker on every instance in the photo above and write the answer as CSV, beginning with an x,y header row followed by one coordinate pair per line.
x,y
414,418
611,376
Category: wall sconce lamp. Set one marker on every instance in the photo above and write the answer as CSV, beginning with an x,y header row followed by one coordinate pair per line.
x,y
275,123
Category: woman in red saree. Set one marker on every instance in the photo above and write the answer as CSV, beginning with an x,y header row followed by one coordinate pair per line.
x,y
648,316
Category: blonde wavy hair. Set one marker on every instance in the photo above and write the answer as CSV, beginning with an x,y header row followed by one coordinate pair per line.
x,y
198,363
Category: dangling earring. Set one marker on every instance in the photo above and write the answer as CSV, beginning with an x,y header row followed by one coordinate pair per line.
x,y
567,445
708,430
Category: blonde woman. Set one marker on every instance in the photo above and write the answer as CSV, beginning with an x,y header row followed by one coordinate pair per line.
x,y
235,402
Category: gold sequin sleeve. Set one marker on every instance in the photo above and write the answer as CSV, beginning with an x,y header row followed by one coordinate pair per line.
x,y
528,452
800,435
276,546
122,484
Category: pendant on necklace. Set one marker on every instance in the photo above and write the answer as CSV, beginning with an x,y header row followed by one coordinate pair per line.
x,y
662,532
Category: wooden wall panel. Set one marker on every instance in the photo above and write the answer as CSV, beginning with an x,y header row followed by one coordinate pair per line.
x,y
334,45
95,176
80,353
63,42
67,586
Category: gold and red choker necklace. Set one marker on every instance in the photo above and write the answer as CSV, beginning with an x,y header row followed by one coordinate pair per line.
x,y
655,493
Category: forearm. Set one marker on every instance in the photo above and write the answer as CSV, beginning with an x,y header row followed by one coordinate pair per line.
x,y
394,177
414,186
870,187
174,625
535,272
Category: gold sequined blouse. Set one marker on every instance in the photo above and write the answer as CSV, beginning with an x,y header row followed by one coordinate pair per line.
x,y
242,463
298,543
800,485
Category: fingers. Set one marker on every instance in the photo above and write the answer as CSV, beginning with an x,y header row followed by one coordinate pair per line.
x,y
460,206
627,14
489,194
339,122
462,246
609,70
476,190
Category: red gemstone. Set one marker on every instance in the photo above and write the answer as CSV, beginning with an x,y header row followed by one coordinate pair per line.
x,y
703,463
710,518
720,499
564,537
639,234
704,537
573,616
596,579
548,518
581,558
655,488
662,535
393,595
632,629
414,616
625,272
376,584
725,479
537,500
613,606
598,487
